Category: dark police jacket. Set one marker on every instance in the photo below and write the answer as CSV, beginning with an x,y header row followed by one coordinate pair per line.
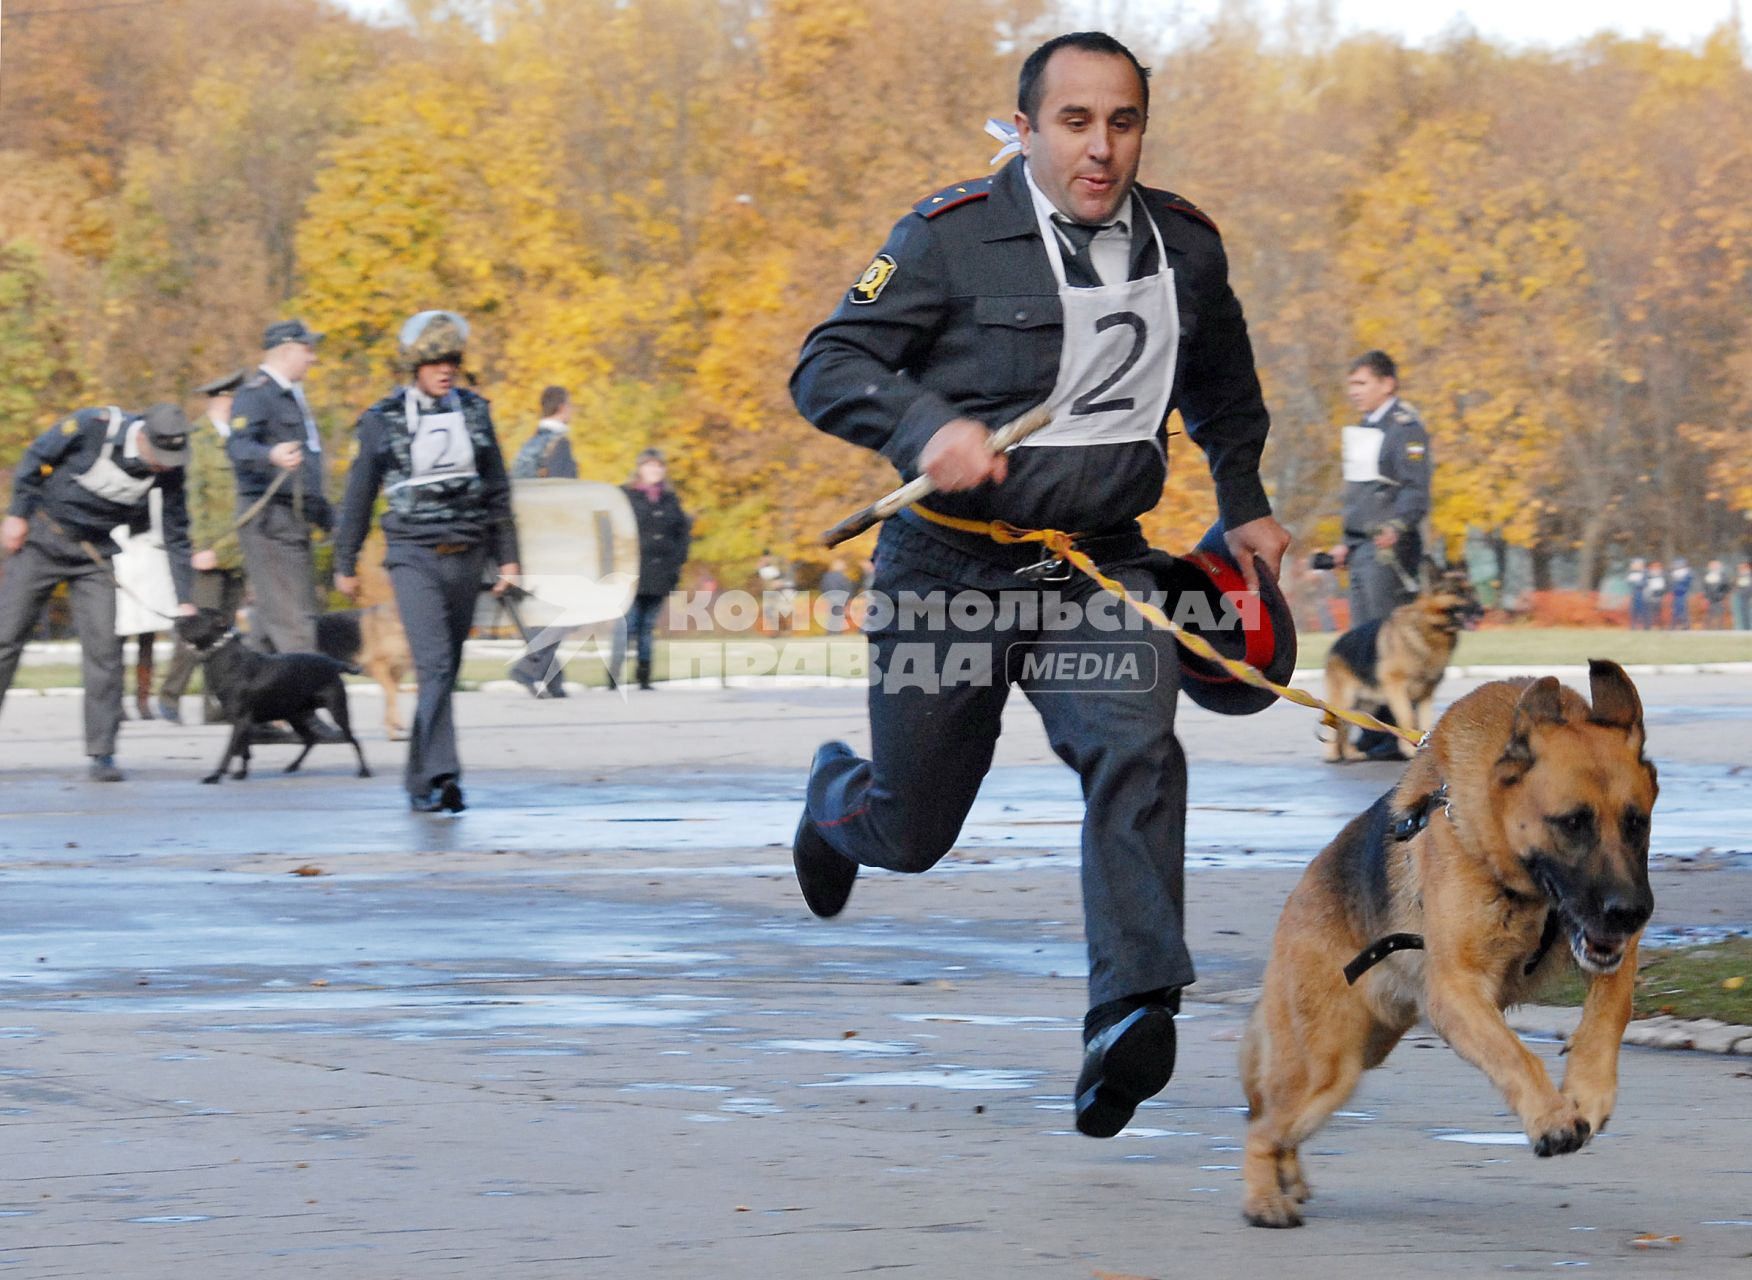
x,y
462,511
264,414
1401,497
665,532
46,483
965,321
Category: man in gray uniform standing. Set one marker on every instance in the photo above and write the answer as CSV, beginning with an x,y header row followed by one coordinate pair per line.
x,y
273,433
430,447
1387,467
79,480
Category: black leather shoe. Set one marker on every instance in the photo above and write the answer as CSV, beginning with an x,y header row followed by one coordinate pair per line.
x,y
1385,751
450,795
823,873
1122,1065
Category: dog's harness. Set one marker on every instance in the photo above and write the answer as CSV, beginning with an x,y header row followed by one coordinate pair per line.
x,y
1377,951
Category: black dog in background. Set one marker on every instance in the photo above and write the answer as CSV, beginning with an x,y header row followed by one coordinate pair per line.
x,y
260,688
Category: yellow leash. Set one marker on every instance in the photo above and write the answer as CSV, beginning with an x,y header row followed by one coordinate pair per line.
x,y
1063,545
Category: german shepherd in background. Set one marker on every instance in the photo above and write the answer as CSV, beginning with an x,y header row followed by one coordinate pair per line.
x,y
1523,823
373,640
1398,661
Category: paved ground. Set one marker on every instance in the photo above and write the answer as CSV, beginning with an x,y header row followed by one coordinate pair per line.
x,y
586,1029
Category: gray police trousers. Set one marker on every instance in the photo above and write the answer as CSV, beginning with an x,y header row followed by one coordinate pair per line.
x,y
435,592
936,704
282,577
1379,580
26,581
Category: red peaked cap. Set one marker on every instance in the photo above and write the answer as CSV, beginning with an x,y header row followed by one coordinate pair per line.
x,y
1262,636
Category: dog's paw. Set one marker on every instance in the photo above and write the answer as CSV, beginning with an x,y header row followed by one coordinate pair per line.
x,y
1559,1132
364,772
211,779
1274,1210
1595,1111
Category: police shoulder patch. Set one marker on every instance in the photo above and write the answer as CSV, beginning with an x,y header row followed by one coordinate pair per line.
x,y
953,197
874,280
1184,207
240,422
70,426
1416,450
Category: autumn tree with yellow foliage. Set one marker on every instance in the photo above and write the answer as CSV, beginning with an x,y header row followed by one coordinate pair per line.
x,y
652,204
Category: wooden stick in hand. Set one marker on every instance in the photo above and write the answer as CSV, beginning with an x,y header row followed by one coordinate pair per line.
x,y
1002,440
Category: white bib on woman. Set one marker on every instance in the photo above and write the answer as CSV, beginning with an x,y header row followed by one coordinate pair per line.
x,y
1121,344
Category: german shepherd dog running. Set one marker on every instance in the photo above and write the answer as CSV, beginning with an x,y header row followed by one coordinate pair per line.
x,y
1514,848
1398,661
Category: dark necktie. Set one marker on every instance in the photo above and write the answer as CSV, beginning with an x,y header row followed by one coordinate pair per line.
x,y
1080,270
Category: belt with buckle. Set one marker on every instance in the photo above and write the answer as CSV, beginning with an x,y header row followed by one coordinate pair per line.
x,y
452,548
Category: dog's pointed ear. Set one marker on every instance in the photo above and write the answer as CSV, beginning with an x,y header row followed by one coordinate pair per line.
x,y
1541,703
1616,702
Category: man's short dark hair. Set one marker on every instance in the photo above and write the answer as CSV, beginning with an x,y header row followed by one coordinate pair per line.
x,y
553,400
1378,363
1028,86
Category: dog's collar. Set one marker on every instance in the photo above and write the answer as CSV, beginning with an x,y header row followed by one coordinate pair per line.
x,y
1419,818
231,633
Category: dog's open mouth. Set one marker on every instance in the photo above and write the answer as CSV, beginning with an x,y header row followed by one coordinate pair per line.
x,y
1596,952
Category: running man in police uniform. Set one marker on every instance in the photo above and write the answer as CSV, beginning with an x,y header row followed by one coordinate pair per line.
x,y
1387,467
210,486
1057,281
430,447
273,432
79,480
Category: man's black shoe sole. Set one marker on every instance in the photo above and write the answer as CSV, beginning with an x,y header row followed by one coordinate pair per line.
x,y
1136,1064
824,874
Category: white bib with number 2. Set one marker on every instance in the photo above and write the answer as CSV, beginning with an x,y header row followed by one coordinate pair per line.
x,y
441,448
1121,343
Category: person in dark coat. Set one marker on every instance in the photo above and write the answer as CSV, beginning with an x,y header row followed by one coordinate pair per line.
x,y
273,431
430,447
91,472
665,532
1059,281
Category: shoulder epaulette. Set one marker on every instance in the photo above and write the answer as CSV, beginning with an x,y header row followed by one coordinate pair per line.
x,y
953,197
1181,205
252,383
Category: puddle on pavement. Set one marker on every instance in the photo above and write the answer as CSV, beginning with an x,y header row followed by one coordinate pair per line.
x,y
658,1086
1484,1139
980,1019
1692,935
855,1048
940,1078
438,1017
